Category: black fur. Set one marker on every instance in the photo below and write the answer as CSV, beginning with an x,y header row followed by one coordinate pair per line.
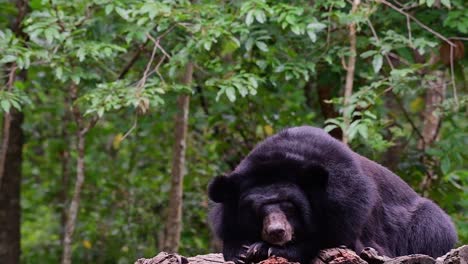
x,y
342,199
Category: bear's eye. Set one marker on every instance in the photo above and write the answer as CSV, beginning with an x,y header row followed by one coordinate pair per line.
x,y
287,206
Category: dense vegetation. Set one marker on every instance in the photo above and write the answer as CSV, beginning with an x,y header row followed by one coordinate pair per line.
x,y
114,69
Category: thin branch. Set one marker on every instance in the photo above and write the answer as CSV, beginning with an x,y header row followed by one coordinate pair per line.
x,y
408,26
73,208
156,69
378,40
90,125
142,82
11,77
437,34
459,38
350,67
343,63
400,59
157,46
405,113
132,60
135,123
452,73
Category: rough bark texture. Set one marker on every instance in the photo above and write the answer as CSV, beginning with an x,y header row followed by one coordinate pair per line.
x,y
80,177
435,95
327,256
174,216
338,256
10,211
10,160
455,256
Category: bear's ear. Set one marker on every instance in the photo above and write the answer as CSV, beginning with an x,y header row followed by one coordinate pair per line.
x,y
221,189
313,176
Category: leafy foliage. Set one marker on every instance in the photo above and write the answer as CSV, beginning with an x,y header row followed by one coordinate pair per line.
x,y
259,67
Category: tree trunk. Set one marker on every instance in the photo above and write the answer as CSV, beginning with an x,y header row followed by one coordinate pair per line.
x,y
11,157
80,177
325,93
10,210
174,216
435,95
65,164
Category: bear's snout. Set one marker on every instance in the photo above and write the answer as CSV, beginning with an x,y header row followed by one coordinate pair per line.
x,y
276,229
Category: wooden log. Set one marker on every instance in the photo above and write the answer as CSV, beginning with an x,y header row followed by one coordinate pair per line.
x,y
326,256
455,256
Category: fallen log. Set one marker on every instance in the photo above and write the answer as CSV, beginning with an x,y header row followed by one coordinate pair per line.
x,y
326,256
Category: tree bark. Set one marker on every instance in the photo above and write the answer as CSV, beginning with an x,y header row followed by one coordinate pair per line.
x,y
10,210
65,164
435,95
11,158
80,177
174,216
325,93
350,67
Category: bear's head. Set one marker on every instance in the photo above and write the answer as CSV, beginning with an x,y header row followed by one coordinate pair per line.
x,y
274,201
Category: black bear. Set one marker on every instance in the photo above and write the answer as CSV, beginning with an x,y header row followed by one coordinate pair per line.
x,y
301,190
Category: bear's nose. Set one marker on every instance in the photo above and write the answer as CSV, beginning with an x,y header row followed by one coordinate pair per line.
x,y
277,232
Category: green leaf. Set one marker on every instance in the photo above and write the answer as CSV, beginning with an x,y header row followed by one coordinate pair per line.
x,y
363,131
253,81
249,44
296,29
316,26
48,35
368,53
76,78
8,58
109,9
207,45
446,3
59,72
100,112
16,104
377,62
312,35
249,18
122,12
231,94
430,3
5,105
329,128
445,165
242,90
261,45
260,16
81,54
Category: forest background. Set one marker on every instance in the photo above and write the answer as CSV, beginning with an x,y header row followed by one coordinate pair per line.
x,y
106,105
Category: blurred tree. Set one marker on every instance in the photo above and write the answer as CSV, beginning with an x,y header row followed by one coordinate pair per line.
x,y
11,152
